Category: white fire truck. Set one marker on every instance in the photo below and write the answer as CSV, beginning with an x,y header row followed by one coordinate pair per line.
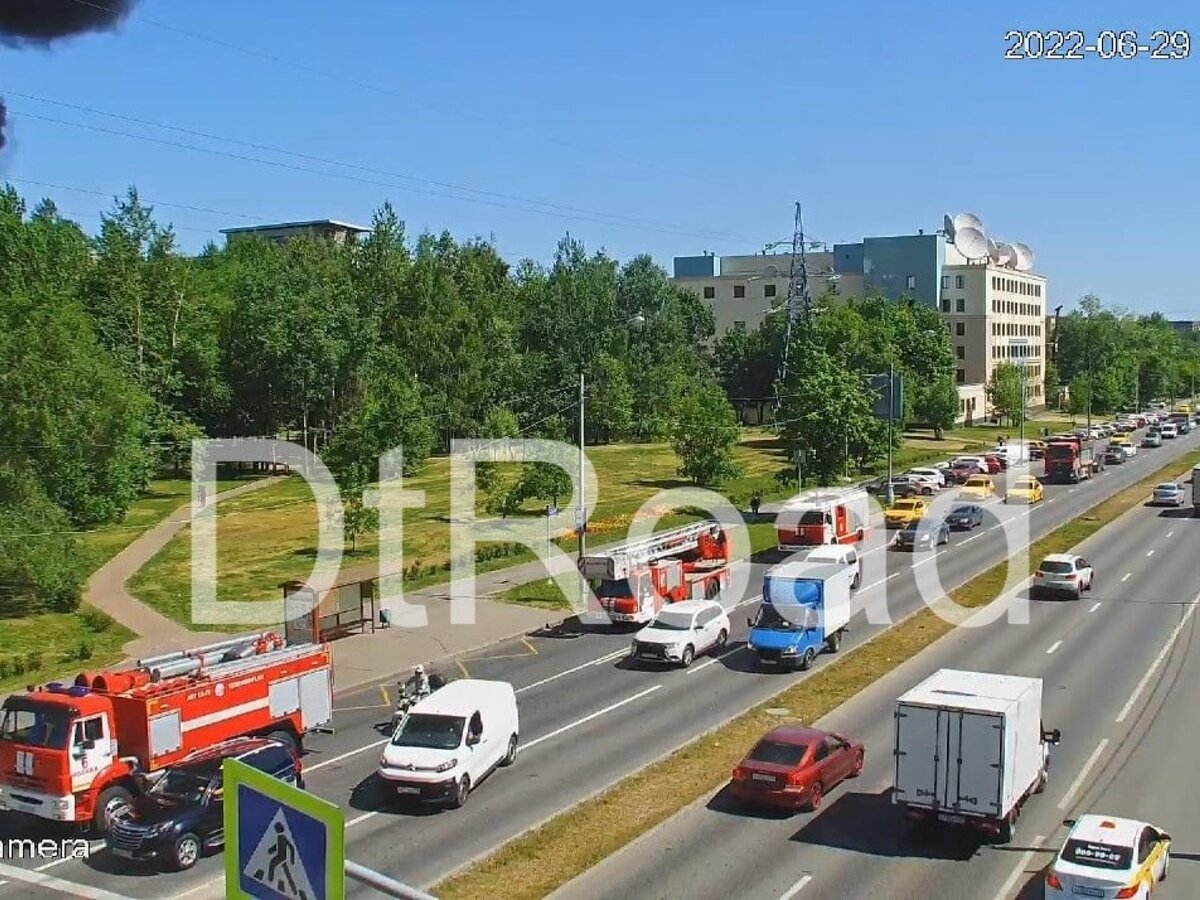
x,y
73,753
632,581
823,517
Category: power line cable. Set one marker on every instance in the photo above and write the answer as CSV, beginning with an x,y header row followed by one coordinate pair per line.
x,y
341,79
616,218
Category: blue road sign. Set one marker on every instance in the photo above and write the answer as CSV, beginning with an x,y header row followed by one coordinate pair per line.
x,y
282,843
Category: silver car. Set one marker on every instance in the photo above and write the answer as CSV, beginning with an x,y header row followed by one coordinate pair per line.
x,y
1168,494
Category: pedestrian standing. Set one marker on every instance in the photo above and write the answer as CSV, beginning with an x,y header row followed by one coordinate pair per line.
x,y
755,502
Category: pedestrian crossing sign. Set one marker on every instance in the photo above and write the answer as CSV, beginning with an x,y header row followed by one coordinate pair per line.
x,y
281,843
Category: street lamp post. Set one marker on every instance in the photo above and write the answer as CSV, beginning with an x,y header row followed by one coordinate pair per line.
x,y
889,494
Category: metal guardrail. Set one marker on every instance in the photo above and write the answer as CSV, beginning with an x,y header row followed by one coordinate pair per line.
x,y
388,886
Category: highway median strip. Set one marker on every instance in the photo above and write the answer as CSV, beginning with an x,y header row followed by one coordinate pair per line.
x,y
548,856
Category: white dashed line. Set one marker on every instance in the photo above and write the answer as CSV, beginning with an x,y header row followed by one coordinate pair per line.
x,y
597,714
1126,577
796,888
716,659
1095,606
1169,533
1054,647
1149,553
1083,774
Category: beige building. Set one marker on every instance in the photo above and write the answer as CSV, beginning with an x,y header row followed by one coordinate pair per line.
x,y
282,232
996,314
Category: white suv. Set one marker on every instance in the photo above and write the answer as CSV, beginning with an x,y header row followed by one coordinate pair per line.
x,y
1063,573
682,630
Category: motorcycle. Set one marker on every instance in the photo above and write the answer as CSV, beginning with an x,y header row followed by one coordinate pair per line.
x,y
407,698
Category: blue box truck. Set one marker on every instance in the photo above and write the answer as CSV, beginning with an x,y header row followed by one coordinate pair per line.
x,y
805,609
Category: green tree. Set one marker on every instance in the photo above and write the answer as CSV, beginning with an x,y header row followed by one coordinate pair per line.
x,y
1005,391
937,405
705,436
610,416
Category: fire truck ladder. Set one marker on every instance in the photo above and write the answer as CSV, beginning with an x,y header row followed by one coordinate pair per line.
x,y
663,544
206,658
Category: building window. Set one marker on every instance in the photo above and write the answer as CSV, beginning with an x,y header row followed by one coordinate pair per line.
x,y
961,376
960,328
960,352
710,293
768,290
960,305
958,281
945,306
945,281
911,282
739,291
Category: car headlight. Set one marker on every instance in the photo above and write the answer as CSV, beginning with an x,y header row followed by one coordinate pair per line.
x,y
789,651
447,765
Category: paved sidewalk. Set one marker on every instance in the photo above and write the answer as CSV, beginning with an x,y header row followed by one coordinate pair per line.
x,y
107,591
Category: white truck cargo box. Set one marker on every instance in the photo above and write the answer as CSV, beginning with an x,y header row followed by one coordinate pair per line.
x,y
969,744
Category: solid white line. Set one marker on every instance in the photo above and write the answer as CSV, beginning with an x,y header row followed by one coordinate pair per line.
x,y
346,755
1126,577
70,888
1054,647
1083,773
709,662
92,848
597,714
1149,552
1158,660
595,662
1006,890
362,818
796,888
1095,606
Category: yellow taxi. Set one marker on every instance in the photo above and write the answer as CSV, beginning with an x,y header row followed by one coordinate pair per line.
x,y
904,512
978,487
1121,440
1025,489
1107,856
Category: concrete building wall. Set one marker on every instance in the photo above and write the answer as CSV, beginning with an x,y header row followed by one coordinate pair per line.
x,y
972,404
904,265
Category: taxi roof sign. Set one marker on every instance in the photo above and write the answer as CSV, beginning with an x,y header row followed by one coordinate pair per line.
x,y
281,842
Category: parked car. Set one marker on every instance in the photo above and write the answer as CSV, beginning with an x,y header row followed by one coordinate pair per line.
x,y
931,479
965,517
1063,573
182,814
965,469
1167,494
978,487
923,534
795,766
900,487
1025,489
681,631
904,511
1107,856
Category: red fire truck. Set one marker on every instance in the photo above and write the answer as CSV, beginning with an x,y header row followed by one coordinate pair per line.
x,y
73,753
823,517
632,581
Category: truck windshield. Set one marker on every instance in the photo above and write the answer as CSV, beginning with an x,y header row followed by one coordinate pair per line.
x,y
778,752
35,724
1100,856
614,589
813,517
430,731
769,617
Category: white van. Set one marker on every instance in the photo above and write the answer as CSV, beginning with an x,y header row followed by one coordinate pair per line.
x,y
839,555
452,740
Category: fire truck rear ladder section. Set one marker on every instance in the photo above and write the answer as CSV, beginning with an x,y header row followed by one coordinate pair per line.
x,y
657,546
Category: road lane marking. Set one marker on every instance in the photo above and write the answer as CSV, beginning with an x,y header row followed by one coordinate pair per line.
x,y
346,755
1126,577
595,662
1169,533
876,584
1054,647
362,818
588,718
971,538
70,888
709,662
1006,890
796,888
1052,499
1095,606
462,668
1149,553
361,708
1158,660
1083,773
1072,490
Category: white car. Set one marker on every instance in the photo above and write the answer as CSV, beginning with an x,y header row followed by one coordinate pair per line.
x,y
1153,438
838,555
1063,573
927,476
1107,856
682,630
1168,430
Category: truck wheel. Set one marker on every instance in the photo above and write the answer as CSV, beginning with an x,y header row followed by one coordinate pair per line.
x,y
286,738
834,642
689,654
186,851
461,791
807,662
110,802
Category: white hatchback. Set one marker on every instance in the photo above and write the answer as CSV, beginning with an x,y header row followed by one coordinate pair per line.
x,y
1108,856
681,631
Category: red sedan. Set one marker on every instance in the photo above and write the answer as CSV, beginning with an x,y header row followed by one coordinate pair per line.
x,y
994,463
793,766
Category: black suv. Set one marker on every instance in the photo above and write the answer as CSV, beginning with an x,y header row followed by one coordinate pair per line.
x,y
182,814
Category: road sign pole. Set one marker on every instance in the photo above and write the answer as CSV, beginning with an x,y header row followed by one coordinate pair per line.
x,y
388,886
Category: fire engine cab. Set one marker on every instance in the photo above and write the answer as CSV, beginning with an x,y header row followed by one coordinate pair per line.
x,y
823,517
74,753
632,581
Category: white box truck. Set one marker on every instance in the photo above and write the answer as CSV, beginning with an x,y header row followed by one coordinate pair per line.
x,y
970,750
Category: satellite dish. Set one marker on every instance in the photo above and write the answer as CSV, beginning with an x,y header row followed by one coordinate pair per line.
x,y
993,251
1024,257
948,227
1005,254
967,220
971,242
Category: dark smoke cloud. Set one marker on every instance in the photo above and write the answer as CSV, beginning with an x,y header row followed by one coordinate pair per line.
x,y
36,23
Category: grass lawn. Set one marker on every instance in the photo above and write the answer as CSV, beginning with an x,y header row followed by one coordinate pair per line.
x,y
57,645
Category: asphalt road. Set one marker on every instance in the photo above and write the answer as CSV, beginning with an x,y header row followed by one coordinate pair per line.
x,y
587,718
1119,681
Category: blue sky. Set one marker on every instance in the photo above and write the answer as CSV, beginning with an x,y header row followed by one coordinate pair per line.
x,y
695,124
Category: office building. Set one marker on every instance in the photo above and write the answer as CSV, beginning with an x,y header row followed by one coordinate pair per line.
x,y
282,232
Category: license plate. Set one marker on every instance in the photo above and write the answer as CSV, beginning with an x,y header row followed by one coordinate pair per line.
x,y
405,789
759,777
117,851
1084,891
952,819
